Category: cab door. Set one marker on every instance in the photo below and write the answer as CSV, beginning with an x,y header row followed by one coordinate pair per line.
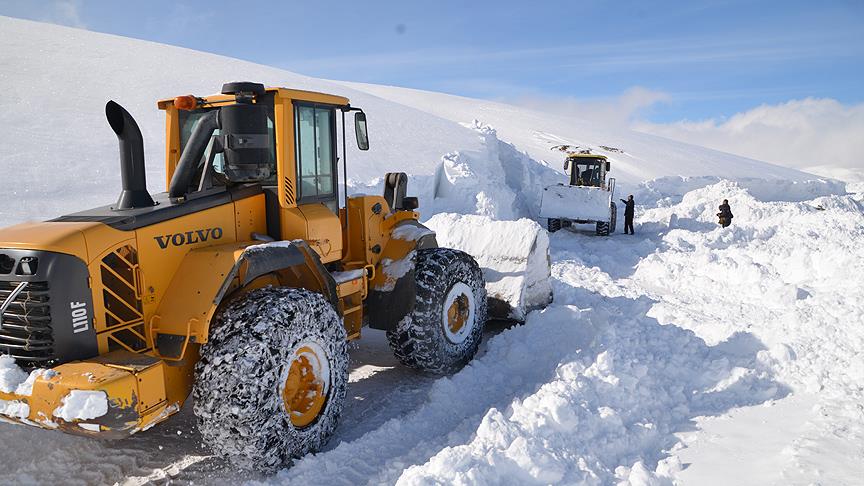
x,y
317,188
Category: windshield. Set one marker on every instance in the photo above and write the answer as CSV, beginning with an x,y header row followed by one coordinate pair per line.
x,y
188,119
587,172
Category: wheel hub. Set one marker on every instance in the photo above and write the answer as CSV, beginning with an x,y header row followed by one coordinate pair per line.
x,y
304,390
458,313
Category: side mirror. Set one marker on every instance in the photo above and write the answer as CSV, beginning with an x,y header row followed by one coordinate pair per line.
x,y
360,130
566,164
608,166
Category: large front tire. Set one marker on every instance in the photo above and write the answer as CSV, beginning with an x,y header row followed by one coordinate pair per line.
x,y
553,225
444,330
271,381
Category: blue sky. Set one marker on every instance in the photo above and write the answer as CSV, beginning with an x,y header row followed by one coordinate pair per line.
x,y
708,59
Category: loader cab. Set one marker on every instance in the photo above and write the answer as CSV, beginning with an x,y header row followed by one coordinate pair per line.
x,y
187,120
587,169
296,166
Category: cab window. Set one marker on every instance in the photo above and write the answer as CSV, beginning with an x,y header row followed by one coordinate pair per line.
x,y
316,157
587,172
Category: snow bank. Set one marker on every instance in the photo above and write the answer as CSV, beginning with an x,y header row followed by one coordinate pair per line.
x,y
789,263
783,285
710,320
496,180
514,256
669,190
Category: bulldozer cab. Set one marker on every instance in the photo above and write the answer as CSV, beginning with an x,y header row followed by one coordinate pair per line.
x,y
587,170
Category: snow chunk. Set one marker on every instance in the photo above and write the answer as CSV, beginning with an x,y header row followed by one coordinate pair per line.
x,y
15,380
514,256
394,270
11,375
14,408
410,232
26,388
83,405
347,276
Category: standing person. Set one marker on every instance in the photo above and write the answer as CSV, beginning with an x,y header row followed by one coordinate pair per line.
x,y
628,214
725,214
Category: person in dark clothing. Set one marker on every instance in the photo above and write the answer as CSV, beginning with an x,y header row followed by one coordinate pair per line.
x,y
628,214
725,214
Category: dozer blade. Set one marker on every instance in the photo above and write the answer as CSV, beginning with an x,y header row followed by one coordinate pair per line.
x,y
514,256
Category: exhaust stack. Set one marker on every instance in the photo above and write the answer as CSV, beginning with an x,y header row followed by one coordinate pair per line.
x,y
134,193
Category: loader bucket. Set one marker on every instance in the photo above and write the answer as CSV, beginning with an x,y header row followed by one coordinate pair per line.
x,y
514,257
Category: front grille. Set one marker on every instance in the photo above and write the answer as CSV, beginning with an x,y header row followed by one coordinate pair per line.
x,y
120,293
25,331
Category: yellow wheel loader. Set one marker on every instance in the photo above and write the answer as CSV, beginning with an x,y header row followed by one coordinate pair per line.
x,y
240,285
587,198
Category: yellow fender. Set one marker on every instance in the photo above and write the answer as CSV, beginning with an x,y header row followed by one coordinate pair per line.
x,y
207,277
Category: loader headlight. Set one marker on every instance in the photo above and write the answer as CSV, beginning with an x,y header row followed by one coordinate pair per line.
x,y
27,266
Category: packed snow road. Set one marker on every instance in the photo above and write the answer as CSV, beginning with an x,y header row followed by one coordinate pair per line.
x,y
686,353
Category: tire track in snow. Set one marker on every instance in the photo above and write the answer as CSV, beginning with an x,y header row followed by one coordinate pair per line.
x,y
516,362
611,412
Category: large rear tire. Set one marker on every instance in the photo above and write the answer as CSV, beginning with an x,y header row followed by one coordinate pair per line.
x,y
444,330
271,381
602,228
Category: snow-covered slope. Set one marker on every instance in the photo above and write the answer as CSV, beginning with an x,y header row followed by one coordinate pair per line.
x,y
686,353
56,81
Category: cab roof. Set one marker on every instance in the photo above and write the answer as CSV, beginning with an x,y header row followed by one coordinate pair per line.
x,y
293,94
586,156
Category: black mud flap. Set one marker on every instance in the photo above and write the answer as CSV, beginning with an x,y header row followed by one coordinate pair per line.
x,y
386,308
